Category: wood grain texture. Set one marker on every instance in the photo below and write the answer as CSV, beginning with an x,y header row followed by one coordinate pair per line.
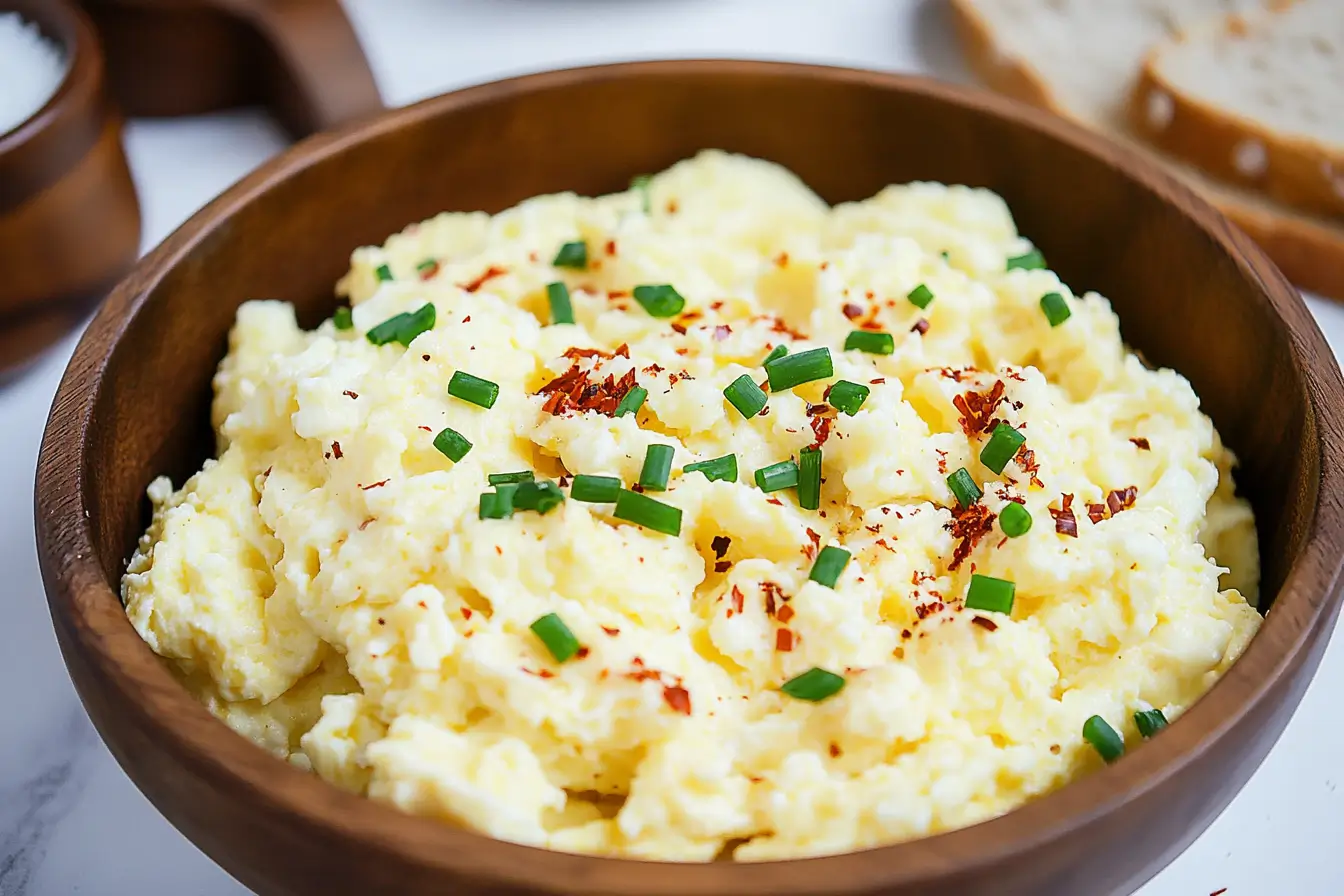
x,y
69,219
1192,292
300,58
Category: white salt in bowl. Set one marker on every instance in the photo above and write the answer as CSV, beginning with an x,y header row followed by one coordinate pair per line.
x,y
69,220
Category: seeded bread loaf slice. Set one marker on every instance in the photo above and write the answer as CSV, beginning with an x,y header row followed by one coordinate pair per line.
x,y
1256,99
1081,58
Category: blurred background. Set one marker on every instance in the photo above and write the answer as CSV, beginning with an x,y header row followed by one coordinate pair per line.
x,y
208,97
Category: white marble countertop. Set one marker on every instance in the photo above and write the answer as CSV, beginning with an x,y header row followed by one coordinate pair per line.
x,y
71,822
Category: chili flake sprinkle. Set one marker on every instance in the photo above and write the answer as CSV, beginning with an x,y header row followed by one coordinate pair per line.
x,y
784,640
1026,459
489,274
677,698
968,525
573,391
977,409
1141,444
1065,522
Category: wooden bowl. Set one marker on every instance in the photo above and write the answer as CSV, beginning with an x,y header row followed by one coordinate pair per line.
x,y
1192,293
69,219
299,58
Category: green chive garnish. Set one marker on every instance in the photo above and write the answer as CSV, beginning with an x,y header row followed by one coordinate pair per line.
x,y
724,468
428,264
572,255
871,341
452,445
1056,308
964,487
641,184
814,685
403,327
1149,722
1002,447
383,273
1104,739
777,476
595,489
496,505
743,394
657,467
343,319
920,296
1028,261
991,594
659,300
1014,520
647,512
557,637
794,370
473,389
543,496
809,478
777,352
562,310
632,402
828,565
510,478
848,397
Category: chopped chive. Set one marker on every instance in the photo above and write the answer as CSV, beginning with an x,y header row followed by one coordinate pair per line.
x,y
473,389
496,505
777,476
964,487
848,397
403,327
794,370
1002,447
428,264
776,353
343,319
990,594
947,256
873,342
572,255
383,273
657,467
1104,739
595,489
743,394
562,310
724,468
814,685
660,300
543,496
452,445
920,296
809,478
1149,722
1014,520
829,564
557,637
642,184
1056,308
632,402
510,478
1028,261
647,512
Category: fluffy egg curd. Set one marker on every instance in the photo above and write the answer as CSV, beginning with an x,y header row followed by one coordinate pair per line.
x,y
702,520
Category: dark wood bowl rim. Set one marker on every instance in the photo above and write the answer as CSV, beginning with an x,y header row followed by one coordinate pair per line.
x,y
77,586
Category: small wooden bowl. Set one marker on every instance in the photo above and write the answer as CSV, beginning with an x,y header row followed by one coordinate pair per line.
x,y
1192,292
69,219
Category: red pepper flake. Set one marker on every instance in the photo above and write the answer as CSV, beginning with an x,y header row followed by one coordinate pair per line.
x,y
906,634
977,409
683,351
1141,444
782,259
466,612
679,328
738,598
611,632
1065,523
1026,459
364,525
852,311
877,381
678,699
375,485
1219,892
572,391
653,369
1054,748
424,357
544,673
882,542
574,352
1002,541
769,604
784,640
720,544
923,611
490,273
969,525
672,206
336,450
722,332
425,428
942,460
1121,499
350,394
430,271
921,326
834,750
532,256
581,653
382,621
611,247
988,625
775,501
723,565
785,613
499,550
820,410
1096,513
821,431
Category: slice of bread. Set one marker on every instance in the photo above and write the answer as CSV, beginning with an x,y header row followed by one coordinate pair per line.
x,y
1081,58
1256,99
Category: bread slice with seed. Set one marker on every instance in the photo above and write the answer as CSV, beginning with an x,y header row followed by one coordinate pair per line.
x,y
1256,99
1081,59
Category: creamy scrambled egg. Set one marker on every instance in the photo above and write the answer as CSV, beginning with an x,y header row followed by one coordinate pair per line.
x,y
328,587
